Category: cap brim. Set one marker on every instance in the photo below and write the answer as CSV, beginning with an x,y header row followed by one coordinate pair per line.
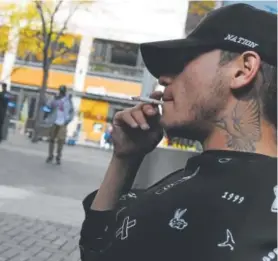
x,y
170,57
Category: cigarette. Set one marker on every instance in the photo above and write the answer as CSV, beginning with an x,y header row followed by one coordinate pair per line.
x,y
147,100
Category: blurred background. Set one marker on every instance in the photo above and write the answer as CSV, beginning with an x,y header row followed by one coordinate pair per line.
x,y
92,47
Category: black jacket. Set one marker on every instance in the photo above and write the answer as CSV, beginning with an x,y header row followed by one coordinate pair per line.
x,y
221,207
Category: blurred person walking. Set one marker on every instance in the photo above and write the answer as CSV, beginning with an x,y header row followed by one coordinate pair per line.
x,y
106,138
60,116
4,100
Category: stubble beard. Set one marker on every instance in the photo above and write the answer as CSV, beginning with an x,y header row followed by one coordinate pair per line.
x,y
206,110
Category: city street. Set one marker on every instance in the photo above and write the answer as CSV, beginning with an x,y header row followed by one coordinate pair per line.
x,y
41,204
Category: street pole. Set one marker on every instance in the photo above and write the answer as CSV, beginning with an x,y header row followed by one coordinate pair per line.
x,y
80,77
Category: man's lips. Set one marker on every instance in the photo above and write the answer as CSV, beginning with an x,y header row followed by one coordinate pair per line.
x,y
167,99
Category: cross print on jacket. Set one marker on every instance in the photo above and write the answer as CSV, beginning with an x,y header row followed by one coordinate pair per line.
x,y
122,232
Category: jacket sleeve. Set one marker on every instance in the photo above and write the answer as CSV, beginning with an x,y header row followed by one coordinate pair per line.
x,y
98,228
96,232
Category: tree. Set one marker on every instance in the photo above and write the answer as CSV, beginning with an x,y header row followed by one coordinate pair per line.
x,y
42,37
53,41
196,11
4,31
201,7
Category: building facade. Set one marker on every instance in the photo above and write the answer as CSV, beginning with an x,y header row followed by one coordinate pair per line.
x,y
104,60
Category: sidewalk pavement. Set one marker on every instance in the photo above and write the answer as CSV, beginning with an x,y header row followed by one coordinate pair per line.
x,y
26,239
40,204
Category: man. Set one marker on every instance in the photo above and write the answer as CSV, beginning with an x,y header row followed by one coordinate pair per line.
x,y
4,99
221,87
60,116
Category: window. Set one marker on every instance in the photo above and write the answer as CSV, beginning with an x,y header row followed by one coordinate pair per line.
x,y
30,49
115,52
67,51
116,57
12,105
122,53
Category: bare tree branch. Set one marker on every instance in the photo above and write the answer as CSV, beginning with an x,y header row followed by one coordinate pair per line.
x,y
39,36
38,4
60,54
46,36
52,18
62,31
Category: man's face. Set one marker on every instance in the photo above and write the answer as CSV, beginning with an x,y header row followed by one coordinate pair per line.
x,y
194,98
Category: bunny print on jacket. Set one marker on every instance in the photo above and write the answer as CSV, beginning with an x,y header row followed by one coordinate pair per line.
x,y
177,221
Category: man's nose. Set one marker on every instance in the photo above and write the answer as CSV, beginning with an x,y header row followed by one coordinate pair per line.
x,y
165,80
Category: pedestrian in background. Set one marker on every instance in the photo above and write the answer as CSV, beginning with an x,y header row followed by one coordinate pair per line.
x,y
60,116
106,138
221,89
4,100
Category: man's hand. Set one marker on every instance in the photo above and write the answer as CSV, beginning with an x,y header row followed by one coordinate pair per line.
x,y
136,131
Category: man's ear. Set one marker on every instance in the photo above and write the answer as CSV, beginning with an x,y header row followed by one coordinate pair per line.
x,y
245,69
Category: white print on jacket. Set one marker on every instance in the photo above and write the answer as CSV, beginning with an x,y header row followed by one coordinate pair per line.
x,y
175,183
122,232
119,212
129,195
229,241
177,221
271,255
274,207
224,160
237,199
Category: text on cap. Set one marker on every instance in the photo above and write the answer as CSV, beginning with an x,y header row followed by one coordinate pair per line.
x,y
240,40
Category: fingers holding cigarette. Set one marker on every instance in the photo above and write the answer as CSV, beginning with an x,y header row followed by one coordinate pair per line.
x,y
149,105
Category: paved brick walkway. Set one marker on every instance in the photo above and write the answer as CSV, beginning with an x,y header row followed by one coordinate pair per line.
x,y
25,239
41,204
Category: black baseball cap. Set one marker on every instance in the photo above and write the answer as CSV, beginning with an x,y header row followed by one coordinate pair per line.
x,y
235,28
